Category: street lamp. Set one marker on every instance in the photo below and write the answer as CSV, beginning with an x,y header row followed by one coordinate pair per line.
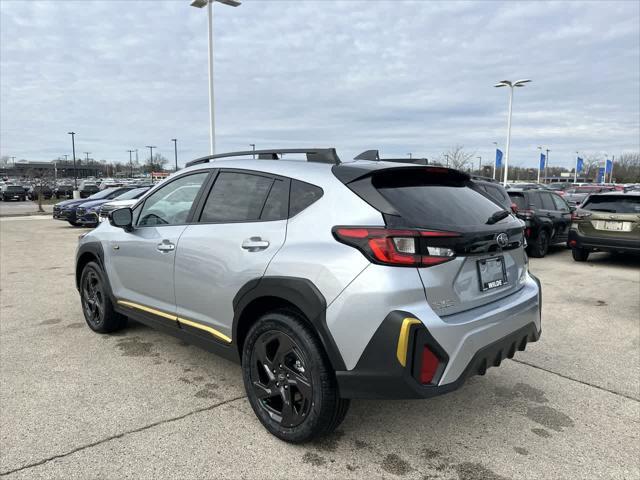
x,y
209,5
151,147
253,147
511,85
175,150
75,172
546,163
494,161
479,165
130,163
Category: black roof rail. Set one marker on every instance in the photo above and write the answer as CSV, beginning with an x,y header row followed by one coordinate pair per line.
x,y
319,155
374,156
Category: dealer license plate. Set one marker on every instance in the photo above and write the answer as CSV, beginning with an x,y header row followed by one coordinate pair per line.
x,y
492,273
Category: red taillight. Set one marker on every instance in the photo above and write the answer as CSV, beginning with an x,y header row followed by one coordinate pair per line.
x,y
572,243
429,365
527,232
514,208
397,247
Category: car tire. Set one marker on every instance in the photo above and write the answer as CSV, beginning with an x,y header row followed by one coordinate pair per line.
x,y
288,379
97,307
540,247
580,254
73,224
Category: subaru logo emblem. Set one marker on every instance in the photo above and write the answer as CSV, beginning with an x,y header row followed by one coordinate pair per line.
x,y
502,239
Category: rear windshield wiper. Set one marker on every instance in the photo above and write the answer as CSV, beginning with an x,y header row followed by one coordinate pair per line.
x,y
497,216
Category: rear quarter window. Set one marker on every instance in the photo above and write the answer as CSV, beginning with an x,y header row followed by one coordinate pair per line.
x,y
302,196
519,200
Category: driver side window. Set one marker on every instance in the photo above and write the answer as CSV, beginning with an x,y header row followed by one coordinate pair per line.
x,y
170,205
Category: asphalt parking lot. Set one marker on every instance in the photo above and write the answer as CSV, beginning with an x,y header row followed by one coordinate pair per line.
x,y
142,404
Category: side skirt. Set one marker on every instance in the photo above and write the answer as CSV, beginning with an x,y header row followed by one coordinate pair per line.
x,y
190,335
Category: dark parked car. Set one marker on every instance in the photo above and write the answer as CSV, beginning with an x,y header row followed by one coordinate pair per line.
x,y
547,218
88,188
88,214
67,210
494,190
64,190
608,222
35,190
12,192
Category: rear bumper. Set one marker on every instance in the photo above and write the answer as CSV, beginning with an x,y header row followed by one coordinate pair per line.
x,y
473,342
606,244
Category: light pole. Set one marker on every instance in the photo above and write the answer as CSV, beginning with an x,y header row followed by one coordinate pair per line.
x,y
511,85
209,5
130,163
410,155
75,172
446,155
253,147
151,147
479,165
546,164
494,161
87,154
575,170
175,150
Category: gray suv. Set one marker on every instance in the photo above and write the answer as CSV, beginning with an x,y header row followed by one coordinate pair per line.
x,y
325,280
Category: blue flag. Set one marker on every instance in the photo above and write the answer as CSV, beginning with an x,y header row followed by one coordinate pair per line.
x,y
600,175
609,166
498,158
579,165
542,161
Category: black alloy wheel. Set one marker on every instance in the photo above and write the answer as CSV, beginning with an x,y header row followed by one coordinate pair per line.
x,y
93,299
279,378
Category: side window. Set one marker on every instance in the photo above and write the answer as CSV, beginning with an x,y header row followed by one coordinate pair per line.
x,y
170,205
534,199
547,201
236,197
277,205
302,196
560,203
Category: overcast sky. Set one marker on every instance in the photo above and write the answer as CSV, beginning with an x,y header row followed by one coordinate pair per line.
x,y
399,76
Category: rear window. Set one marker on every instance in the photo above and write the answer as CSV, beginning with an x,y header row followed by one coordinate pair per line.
x,y
434,201
518,199
612,204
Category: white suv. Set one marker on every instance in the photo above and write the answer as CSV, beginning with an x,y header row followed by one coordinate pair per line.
x,y
326,280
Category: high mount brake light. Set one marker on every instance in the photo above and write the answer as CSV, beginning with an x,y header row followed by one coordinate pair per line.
x,y
397,247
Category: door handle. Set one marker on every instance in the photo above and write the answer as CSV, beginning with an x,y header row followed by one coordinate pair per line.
x,y
254,244
166,246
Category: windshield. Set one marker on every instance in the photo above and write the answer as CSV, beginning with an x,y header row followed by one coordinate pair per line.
x,y
103,194
132,194
613,204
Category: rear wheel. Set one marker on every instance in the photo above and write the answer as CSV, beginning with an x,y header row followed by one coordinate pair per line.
x,y
289,380
540,247
73,224
580,254
96,305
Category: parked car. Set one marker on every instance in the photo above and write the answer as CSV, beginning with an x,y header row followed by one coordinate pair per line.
x,y
127,199
606,222
560,188
12,192
34,192
327,281
88,214
63,190
494,190
67,210
88,188
547,218
577,195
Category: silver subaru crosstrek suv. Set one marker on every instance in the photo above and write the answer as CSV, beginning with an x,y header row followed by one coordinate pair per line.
x,y
326,280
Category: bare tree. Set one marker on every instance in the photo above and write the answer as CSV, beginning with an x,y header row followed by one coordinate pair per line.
x,y
456,157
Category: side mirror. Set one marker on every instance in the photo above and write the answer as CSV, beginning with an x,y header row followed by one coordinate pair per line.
x,y
122,218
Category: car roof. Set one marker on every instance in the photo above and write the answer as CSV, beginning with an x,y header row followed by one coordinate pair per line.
x,y
620,192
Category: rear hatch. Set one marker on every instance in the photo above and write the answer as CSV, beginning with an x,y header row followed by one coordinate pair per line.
x,y
610,216
487,260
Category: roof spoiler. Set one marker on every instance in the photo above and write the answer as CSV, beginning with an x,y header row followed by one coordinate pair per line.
x,y
374,156
318,155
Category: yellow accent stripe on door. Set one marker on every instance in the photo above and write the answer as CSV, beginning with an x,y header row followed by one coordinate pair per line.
x,y
403,339
206,328
175,318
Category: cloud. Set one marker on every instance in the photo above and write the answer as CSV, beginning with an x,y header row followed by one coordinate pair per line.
x,y
399,76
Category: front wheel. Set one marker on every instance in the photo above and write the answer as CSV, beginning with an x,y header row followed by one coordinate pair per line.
x,y
96,304
580,254
289,380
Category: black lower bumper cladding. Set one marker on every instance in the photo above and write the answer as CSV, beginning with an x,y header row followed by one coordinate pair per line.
x,y
378,373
